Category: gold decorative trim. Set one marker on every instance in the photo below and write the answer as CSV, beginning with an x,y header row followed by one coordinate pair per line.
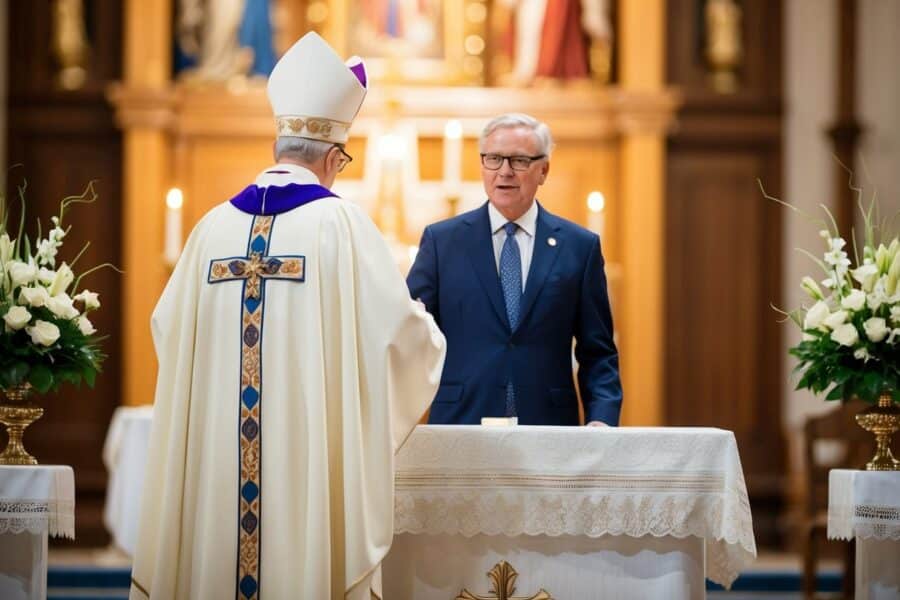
x,y
316,128
503,586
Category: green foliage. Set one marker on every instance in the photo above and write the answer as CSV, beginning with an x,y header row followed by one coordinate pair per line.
x,y
824,365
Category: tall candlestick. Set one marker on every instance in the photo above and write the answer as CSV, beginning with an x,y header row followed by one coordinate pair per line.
x,y
596,221
172,246
453,158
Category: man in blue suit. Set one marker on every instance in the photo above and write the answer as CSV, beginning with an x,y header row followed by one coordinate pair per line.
x,y
510,286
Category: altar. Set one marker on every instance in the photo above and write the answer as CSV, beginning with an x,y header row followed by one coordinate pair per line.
x,y
631,512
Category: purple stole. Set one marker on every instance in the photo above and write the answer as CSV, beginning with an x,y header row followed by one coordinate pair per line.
x,y
274,200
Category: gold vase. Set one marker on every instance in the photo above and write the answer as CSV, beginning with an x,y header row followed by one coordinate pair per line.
x,y
883,420
17,412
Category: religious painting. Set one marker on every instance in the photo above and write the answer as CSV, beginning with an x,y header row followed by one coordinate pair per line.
x,y
379,28
438,42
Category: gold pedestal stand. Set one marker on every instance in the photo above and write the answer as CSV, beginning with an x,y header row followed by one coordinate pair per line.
x,y
17,413
883,420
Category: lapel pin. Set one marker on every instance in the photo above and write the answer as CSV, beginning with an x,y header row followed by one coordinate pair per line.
x,y
551,241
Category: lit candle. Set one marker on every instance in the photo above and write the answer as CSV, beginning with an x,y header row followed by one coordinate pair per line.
x,y
596,202
172,246
390,216
452,158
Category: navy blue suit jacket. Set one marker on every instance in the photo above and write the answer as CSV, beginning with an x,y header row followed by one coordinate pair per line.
x,y
455,275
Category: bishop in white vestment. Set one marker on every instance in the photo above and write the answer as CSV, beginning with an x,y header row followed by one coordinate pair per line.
x,y
292,366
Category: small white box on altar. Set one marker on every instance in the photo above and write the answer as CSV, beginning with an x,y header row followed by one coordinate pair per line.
x,y
499,421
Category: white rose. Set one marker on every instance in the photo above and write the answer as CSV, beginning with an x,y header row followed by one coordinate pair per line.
x,y
46,276
815,315
835,319
61,306
43,333
855,300
895,333
85,326
845,335
876,329
64,278
91,299
17,317
34,296
895,314
862,354
21,273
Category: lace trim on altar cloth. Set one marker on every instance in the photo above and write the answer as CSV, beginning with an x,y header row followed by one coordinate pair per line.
x,y
56,517
721,518
864,521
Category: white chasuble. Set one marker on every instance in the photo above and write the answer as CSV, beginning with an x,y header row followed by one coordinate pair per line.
x,y
292,366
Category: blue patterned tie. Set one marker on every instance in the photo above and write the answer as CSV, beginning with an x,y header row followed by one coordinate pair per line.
x,y
511,281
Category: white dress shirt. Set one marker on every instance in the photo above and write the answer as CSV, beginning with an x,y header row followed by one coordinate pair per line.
x,y
524,236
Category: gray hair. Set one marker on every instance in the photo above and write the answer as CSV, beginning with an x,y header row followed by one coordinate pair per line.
x,y
301,149
509,120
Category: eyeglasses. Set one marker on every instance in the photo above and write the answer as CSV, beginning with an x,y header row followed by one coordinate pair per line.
x,y
518,163
346,159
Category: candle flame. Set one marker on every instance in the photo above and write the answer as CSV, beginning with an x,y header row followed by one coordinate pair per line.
x,y
596,201
174,199
453,129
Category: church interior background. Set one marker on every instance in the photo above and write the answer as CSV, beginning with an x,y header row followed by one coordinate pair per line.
x,y
666,114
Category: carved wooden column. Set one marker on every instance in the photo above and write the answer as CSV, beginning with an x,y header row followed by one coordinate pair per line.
x,y
641,175
846,130
143,112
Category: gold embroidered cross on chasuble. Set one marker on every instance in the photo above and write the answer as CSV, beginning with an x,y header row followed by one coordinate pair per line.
x,y
253,269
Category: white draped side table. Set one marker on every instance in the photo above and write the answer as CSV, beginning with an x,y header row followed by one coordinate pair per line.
x,y
35,501
125,458
865,505
583,513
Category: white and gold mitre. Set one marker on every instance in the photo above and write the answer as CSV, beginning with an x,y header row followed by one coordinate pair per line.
x,y
313,93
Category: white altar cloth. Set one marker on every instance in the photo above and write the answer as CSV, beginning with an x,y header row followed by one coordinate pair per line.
x,y
35,501
866,505
125,458
586,483
673,499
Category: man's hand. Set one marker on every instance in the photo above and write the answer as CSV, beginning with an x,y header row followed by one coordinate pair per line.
x,y
596,424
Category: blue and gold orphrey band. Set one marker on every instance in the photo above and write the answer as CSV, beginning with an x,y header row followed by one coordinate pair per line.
x,y
253,270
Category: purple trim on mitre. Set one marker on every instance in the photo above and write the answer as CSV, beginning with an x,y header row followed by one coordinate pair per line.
x,y
359,69
278,199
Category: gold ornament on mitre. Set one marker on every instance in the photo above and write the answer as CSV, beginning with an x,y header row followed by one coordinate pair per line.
x,y
314,94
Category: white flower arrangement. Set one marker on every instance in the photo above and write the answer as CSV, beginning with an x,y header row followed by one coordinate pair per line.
x,y
47,338
851,332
